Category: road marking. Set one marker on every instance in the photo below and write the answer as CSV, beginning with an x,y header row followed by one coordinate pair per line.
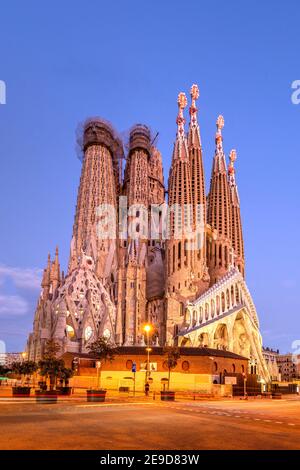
x,y
113,404
291,424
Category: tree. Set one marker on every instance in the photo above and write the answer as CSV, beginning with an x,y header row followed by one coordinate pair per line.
x,y
51,349
103,351
50,367
24,368
172,354
65,374
4,370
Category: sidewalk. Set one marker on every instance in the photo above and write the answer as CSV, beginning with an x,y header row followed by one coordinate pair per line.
x,y
79,395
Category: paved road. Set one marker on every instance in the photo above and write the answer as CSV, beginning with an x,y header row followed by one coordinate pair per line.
x,y
151,425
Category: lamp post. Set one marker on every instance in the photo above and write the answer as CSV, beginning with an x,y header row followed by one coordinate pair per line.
x,y
147,328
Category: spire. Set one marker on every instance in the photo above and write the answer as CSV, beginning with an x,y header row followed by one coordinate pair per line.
x,y
180,120
231,178
55,268
219,160
46,273
194,132
179,259
198,195
236,223
179,183
180,148
219,211
218,198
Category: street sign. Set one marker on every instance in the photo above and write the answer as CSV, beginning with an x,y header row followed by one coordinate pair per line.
x,y
133,368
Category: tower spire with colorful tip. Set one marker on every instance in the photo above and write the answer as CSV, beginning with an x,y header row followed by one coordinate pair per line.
x,y
236,222
198,194
219,211
194,132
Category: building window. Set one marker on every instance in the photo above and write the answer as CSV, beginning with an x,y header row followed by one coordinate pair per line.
x,y
215,366
185,366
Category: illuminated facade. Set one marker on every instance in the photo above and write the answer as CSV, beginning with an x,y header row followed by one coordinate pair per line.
x,y
186,279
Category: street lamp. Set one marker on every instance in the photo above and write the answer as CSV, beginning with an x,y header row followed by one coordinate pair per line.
x,y
147,328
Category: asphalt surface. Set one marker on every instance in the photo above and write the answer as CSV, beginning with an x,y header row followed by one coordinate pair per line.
x,y
151,425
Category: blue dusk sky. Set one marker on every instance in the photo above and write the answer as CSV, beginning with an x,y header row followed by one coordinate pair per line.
x,y
63,61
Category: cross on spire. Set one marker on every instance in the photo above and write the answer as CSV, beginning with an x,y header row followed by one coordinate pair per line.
x,y
220,125
232,159
193,108
182,103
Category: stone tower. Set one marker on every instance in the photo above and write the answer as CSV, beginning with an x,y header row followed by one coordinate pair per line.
x,y
236,222
155,275
132,288
201,277
219,213
179,255
97,202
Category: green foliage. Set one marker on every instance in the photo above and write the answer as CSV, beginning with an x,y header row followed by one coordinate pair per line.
x,y
51,368
65,373
4,370
172,354
102,349
51,349
24,367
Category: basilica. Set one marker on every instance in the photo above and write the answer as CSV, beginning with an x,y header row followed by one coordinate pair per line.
x,y
185,277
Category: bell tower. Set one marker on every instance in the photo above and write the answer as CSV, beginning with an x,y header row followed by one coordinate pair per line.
x,y
219,213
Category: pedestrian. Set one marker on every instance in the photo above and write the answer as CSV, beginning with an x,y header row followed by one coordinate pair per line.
x,y
147,387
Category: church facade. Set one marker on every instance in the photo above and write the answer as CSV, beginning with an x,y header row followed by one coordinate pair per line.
x,y
143,253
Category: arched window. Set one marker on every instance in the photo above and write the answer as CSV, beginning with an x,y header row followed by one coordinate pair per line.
x,y
215,366
237,294
227,300
194,318
232,295
218,305
223,302
212,307
206,311
233,367
70,332
201,315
